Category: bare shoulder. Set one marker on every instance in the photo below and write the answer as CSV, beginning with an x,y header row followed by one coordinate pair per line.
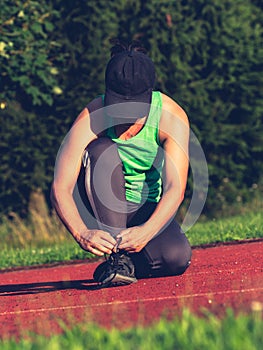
x,y
92,117
172,110
174,122
84,128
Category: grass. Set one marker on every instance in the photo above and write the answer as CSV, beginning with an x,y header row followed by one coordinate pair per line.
x,y
247,226
186,332
42,239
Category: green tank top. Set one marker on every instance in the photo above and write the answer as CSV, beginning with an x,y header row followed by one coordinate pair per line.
x,y
142,157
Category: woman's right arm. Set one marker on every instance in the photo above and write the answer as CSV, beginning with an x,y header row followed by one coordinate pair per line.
x,y
66,172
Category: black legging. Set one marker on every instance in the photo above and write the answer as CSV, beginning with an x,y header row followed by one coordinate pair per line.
x,y
169,253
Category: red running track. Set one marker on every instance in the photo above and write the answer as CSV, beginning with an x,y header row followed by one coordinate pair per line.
x,y
219,277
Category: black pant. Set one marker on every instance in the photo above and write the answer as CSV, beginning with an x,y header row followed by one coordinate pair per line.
x,y
169,253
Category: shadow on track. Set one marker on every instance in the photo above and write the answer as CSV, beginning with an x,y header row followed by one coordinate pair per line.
x,y
45,287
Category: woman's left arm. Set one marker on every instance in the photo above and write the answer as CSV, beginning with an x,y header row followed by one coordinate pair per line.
x,y
174,137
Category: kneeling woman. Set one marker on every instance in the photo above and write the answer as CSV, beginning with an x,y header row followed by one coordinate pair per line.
x,y
133,144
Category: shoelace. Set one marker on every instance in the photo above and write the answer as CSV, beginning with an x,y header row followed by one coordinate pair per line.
x,y
113,260
114,257
118,243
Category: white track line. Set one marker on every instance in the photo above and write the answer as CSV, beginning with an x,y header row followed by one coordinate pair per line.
x,y
74,307
230,271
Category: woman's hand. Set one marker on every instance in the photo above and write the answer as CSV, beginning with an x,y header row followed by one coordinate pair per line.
x,y
97,242
134,239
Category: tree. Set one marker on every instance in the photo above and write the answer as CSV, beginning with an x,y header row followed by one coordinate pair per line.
x,y
28,86
208,57
28,58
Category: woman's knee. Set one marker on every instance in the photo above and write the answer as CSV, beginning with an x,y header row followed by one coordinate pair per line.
x,y
179,269
103,153
177,260
100,145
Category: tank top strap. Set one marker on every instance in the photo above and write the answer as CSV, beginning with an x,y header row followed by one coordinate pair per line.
x,y
154,116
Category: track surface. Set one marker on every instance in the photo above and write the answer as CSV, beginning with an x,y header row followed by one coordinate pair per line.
x,y
219,277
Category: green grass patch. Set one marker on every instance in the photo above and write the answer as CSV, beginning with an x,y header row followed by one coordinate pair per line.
x,y
246,226
42,239
16,257
187,332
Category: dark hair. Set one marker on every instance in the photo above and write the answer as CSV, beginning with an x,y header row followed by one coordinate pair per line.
x,y
120,45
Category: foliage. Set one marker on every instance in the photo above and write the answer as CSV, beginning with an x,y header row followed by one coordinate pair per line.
x,y
207,56
29,78
26,53
26,145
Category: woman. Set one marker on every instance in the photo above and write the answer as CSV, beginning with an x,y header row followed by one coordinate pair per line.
x,y
133,143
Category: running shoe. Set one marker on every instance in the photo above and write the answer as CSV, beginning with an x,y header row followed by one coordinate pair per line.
x,y
118,270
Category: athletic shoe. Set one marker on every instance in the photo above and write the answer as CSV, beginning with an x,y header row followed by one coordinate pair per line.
x,y
118,270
